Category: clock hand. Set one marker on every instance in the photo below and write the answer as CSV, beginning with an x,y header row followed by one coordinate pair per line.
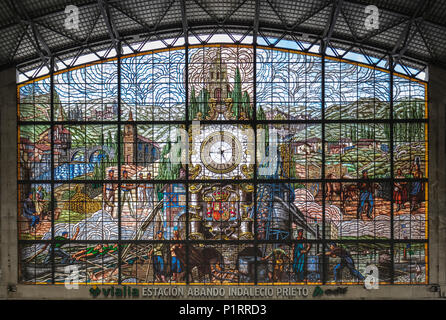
x,y
224,150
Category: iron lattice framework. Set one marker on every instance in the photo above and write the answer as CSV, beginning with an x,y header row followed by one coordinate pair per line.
x,y
413,33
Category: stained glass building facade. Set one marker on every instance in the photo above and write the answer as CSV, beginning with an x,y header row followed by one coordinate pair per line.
x,y
223,164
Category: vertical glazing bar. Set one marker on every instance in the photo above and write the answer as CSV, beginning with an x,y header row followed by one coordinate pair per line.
x,y
392,242
186,99
119,46
52,208
186,71
254,127
324,246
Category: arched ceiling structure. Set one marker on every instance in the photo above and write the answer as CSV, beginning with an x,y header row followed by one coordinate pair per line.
x,y
411,32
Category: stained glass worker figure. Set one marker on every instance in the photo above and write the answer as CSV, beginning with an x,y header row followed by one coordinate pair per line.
x,y
149,192
176,267
278,257
108,193
346,261
30,212
41,202
416,190
57,248
400,191
365,195
141,193
299,256
157,257
127,197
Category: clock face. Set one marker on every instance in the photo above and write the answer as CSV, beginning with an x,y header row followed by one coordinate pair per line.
x,y
221,152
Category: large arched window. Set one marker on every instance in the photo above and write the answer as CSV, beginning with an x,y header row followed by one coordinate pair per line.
x,y
223,164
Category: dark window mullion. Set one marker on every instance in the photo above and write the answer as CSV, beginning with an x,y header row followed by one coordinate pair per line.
x,y
186,58
391,117
51,249
324,257
118,165
254,127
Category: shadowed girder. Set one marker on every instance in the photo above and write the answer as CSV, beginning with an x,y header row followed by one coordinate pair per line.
x,y
413,32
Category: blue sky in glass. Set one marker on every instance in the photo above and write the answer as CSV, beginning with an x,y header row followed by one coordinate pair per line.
x,y
288,44
154,79
224,38
294,80
149,79
283,78
37,88
95,82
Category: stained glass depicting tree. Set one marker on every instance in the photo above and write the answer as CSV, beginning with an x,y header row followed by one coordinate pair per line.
x,y
223,164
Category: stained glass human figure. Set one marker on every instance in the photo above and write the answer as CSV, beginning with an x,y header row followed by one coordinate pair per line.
x,y
94,251
141,193
416,191
400,191
278,257
108,193
346,261
41,202
30,212
57,247
299,256
127,198
365,195
157,253
149,192
176,265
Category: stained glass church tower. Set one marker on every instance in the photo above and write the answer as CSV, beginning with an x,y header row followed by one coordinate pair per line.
x,y
218,86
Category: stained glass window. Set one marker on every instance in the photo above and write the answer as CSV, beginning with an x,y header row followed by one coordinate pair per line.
x,y
223,164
